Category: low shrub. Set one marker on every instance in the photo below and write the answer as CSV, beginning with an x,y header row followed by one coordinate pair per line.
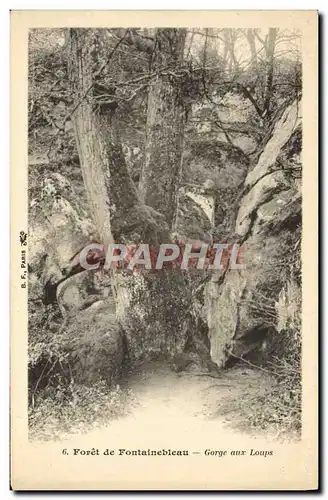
x,y
60,411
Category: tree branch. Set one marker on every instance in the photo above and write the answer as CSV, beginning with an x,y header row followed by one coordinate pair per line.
x,y
144,44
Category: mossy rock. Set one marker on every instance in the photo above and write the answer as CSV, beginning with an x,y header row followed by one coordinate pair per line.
x,y
94,344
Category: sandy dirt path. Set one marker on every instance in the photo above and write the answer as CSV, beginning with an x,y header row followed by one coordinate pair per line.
x,y
156,389
172,412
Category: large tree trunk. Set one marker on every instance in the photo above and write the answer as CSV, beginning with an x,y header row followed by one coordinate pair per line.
x,y
114,203
165,124
154,308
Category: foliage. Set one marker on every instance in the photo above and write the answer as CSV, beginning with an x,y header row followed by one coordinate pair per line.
x,y
44,326
224,102
65,410
278,408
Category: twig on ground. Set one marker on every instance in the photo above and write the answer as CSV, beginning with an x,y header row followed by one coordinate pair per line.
x,y
252,364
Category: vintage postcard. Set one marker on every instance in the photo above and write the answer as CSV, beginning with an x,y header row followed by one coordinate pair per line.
x,y
164,186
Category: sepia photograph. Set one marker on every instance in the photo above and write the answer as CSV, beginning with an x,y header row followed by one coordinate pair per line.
x,y
162,259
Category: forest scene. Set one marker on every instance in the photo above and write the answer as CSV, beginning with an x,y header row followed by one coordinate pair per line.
x,y
159,136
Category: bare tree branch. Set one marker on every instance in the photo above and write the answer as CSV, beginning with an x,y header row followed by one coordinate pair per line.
x,y
132,37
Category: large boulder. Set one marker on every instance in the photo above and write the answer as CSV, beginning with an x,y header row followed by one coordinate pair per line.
x,y
80,291
223,163
195,213
58,228
85,341
240,305
94,344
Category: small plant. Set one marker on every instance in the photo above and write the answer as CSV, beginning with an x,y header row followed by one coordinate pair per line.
x,y
60,411
277,407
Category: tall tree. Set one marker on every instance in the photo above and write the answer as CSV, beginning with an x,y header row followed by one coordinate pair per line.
x,y
165,124
155,309
251,41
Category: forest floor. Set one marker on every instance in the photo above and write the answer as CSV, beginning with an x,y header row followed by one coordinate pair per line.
x,y
153,396
156,390
168,414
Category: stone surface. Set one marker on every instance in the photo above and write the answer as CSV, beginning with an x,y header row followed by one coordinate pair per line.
x,y
281,134
94,344
241,306
80,291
